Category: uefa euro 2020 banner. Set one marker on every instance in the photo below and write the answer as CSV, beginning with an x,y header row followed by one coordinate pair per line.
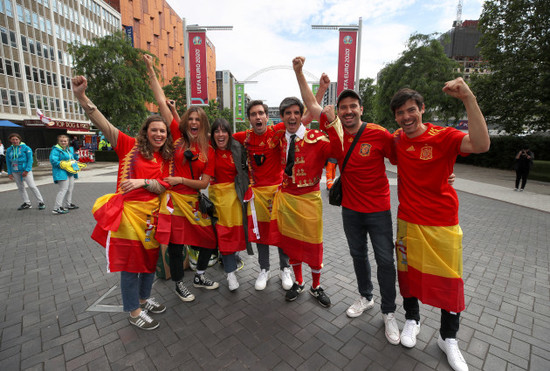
x,y
197,68
346,60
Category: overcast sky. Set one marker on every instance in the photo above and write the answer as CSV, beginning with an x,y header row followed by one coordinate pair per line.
x,y
270,33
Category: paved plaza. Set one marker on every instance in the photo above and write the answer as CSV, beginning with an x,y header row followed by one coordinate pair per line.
x,y
61,310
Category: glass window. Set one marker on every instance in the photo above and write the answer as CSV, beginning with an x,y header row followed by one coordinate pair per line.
x,y
28,17
68,83
21,99
1,65
31,46
38,49
38,102
42,76
1,6
13,39
62,81
54,5
52,54
57,106
4,33
45,49
47,3
9,68
31,100
24,43
19,13
42,25
54,78
65,106
9,10
35,20
13,98
28,72
49,77
52,106
17,69
45,102
35,74
48,26
4,93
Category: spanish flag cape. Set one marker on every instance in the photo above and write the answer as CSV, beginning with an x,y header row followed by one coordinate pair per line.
x,y
126,222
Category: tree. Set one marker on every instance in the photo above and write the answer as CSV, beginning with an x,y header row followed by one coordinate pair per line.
x,y
176,90
515,43
367,92
117,79
424,67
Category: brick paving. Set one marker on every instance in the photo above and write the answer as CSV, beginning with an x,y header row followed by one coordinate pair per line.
x,y
52,273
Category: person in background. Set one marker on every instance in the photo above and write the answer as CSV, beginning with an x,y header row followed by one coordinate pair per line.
x,y
127,220
227,192
19,162
63,152
524,162
75,144
2,158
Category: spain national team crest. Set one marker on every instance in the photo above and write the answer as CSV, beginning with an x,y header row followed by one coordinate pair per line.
x,y
365,149
426,153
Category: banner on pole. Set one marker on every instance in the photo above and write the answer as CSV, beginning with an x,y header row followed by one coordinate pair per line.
x,y
346,60
197,67
240,108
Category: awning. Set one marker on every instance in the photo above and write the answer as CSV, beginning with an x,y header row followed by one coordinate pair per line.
x,y
76,132
6,123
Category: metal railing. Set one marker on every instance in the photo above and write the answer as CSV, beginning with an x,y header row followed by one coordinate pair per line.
x,y
42,156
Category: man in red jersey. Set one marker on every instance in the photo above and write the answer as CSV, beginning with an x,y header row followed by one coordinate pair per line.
x,y
429,239
366,196
265,175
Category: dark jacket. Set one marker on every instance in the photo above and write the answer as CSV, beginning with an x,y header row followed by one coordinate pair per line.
x,y
241,185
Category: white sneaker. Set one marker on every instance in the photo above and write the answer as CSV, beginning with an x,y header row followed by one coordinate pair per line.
x,y
392,330
361,305
454,357
261,282
408,335
232,281
286,279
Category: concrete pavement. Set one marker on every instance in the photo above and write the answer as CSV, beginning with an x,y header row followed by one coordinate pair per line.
x,y
59,308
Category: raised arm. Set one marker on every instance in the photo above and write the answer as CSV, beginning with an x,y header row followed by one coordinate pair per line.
x,y
305,91
324,83
79,85
477,140
172,105
157,89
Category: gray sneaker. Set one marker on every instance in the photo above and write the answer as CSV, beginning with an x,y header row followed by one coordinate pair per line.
x,y
144,321
153,306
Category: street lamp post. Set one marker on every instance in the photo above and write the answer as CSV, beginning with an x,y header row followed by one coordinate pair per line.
x,y
358,27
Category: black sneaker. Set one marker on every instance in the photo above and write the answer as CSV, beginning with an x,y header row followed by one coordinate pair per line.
x,y
60,211
294,291
320,295
24,206
183,293
153,306
144,321
41,206
201,281
72,207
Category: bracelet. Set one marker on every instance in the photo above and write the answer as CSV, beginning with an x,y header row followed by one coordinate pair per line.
x,y
146,183
181,180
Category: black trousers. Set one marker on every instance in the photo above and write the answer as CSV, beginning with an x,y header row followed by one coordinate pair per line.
x,y
521,175
449,322
176,256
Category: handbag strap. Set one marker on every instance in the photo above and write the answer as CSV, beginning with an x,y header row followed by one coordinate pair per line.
x,y
352,146
192,176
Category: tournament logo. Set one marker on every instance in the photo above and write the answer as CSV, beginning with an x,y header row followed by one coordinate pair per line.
x,y
426,152
197,40
365,149
348,40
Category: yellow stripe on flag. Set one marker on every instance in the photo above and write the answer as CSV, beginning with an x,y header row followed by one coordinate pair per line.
x,y
263,202
228,206
300,217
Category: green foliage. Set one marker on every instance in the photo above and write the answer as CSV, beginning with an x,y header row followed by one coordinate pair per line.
x,y
503,150
117,79
105,156
213,112
540,171
516,45
367,92
424,67
176,91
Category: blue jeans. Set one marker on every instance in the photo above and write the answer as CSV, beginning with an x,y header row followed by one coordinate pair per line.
x,y
135,286
263,257
378,225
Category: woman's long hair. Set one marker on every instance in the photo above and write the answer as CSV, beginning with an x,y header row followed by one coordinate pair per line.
x,y
224,125
143,145
202,139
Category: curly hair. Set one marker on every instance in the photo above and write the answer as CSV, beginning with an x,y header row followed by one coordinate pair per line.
x,y
203,137
143,145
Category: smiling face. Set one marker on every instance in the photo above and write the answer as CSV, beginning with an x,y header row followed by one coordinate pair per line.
x,y
157,134
349,111
63,141
292,117
409,118
221,137
258,119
